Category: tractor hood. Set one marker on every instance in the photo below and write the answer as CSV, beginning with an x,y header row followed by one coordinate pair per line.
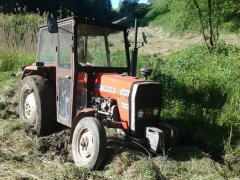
x,y
117,87
128,92
114,85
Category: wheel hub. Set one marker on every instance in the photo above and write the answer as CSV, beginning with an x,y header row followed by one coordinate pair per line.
x,y
30,108
86,145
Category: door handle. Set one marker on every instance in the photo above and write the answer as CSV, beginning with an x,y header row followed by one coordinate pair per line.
x,y
68,77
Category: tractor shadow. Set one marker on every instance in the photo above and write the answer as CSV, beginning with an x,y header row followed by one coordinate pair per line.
x,y
195,112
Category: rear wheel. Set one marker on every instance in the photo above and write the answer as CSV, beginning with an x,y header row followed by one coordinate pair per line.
x,y
89,143
37,104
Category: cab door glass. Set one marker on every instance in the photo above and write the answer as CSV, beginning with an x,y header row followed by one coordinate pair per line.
x,y
64,97
65,46
65,43
47,46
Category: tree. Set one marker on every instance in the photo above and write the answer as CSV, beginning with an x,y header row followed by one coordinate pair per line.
x,y
133,9
140,10
98,9
209,14
206,16
127,6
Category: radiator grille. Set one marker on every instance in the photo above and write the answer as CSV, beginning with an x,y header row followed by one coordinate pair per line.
x,y
144,96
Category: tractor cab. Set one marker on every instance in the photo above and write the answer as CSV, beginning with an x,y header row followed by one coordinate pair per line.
x,y
84,79
80,48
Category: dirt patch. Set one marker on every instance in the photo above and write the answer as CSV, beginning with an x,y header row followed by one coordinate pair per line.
x,y
235,166
9,103
55,147
233,163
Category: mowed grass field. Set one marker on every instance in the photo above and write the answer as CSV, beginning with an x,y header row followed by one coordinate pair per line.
x,y
200,95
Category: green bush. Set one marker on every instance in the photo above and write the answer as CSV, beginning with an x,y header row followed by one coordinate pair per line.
x,y
195,78
201,94
13,61
19,31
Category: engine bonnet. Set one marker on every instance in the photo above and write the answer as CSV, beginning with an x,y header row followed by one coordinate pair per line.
x,y
117,87
113,85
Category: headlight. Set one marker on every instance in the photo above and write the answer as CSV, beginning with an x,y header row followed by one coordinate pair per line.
x,y
140,114
155,111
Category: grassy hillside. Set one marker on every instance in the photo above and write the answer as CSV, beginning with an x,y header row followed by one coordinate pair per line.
x,y
200,95
182,15
201,92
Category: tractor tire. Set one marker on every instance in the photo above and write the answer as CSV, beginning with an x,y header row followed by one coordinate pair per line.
x,y
37,104
89,143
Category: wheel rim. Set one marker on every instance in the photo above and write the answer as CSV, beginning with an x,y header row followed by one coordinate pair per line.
x,y
85,146
30,108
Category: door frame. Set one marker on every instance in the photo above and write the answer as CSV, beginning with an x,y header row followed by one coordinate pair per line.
x,y
66,74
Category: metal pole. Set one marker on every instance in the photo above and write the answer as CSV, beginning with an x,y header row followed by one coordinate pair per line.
x,y
134,52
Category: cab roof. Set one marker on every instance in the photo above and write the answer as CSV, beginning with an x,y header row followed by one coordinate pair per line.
x,y
90,21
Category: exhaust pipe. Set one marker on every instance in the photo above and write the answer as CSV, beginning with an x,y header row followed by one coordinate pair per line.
x,y
133,68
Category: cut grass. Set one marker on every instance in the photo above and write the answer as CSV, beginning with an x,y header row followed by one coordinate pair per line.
x,y
8,95
20,158
21,155
200,94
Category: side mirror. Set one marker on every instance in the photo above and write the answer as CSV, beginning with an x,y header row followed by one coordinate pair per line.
x,y
52,25
144,37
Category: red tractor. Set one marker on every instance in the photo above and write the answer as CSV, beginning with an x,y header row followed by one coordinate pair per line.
x,y
84,79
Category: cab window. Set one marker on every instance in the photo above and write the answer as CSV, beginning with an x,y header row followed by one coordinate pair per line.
x,y
47,46
65,44
100,46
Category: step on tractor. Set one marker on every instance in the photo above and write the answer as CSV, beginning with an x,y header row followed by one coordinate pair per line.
x,y
84,78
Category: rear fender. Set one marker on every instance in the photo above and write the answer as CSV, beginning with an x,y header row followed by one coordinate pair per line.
x,y
35,70
48,72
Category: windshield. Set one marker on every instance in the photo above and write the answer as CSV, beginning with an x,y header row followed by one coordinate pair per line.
x,y
100,46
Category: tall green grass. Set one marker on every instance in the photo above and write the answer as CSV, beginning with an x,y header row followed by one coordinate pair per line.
x,y
12,61
174,16
19,32
18,36
208,85
201,94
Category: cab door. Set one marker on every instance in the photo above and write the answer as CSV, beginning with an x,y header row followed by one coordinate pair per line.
x,y
64,74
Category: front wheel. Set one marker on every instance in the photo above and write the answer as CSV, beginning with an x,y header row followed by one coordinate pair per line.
x,y
89,143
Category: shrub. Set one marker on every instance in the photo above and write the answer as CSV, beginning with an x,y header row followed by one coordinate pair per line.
x,y
201,94
13,61
19,31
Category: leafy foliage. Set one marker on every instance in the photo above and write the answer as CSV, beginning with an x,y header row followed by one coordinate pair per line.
x,y
98,9
133,9
202,85
12,61
182,15
19,32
